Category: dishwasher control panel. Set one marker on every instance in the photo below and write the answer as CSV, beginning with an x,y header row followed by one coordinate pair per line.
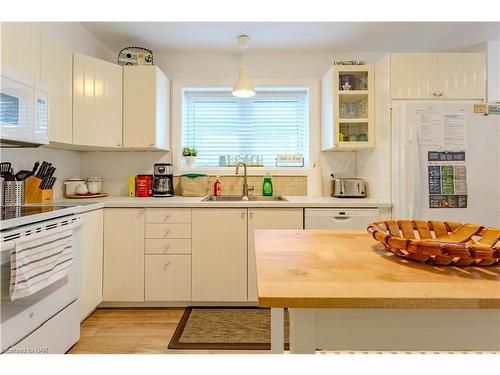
x,y
339,218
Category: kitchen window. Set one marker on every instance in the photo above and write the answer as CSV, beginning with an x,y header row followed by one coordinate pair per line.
x,y
223,128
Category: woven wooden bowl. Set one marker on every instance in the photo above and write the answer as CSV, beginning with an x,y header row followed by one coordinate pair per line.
x,y
440,243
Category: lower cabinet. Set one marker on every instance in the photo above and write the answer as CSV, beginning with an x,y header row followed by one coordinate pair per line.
x,y
219,254
168,254
167,278
123,254
91,262
267,218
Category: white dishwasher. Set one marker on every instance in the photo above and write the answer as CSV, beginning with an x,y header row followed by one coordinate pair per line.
x,y
339,218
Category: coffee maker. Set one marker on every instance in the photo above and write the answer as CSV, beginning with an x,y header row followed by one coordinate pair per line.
x,y
163,180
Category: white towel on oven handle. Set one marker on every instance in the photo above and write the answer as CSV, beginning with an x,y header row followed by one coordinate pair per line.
x,y
39,260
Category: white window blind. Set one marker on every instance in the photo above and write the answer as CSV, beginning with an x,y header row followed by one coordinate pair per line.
x,y
218,124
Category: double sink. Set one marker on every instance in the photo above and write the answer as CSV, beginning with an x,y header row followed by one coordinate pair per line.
x,y
237,198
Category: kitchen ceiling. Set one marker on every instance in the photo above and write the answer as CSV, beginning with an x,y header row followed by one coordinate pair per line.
x,y
297,36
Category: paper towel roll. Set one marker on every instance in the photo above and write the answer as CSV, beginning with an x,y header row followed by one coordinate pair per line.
x,y
314,182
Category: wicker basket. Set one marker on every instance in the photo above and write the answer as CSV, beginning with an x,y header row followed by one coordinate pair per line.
x,y
439,243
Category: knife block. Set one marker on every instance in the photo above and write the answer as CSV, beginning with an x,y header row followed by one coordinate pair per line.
x,y
33,193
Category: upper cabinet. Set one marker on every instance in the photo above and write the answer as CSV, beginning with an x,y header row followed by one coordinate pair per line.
x,y
97,103
57,72
438,76
348,112
145,108
21,48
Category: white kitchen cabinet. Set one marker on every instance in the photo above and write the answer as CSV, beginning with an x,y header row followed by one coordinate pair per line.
x,y
97,103
123,254
267,218
20,46
462,75
219,254
91,261
438,76
414,75
168,278
57,73
145,108
348,113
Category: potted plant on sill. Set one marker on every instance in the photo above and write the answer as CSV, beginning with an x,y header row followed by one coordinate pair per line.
x,y
189,154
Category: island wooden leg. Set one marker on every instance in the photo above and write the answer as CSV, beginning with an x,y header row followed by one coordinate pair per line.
x,y
302,331
277,330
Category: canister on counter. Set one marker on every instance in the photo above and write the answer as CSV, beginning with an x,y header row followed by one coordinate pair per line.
x,y
131,186
143,184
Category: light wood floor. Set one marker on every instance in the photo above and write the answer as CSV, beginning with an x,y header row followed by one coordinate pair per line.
x,y
127,331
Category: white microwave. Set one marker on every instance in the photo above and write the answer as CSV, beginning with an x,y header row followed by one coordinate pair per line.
x,y
23,112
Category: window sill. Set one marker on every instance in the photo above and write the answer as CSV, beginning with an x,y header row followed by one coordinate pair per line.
x,y
251,171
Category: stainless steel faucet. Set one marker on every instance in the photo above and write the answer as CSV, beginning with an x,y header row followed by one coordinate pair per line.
x,y
246,188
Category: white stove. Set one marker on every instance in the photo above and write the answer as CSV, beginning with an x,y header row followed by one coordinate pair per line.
x,y
47,321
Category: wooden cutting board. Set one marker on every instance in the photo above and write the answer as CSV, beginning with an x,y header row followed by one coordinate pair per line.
x,y
86,196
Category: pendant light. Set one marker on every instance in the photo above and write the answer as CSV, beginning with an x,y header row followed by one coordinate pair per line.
x,y
243,88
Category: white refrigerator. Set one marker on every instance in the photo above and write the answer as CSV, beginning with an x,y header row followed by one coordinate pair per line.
x,y
444,162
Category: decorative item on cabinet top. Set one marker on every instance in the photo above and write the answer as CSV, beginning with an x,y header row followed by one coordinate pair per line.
x,y
135,56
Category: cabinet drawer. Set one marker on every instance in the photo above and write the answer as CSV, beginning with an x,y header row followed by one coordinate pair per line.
x,y
168,246
168,230
167,216
167,278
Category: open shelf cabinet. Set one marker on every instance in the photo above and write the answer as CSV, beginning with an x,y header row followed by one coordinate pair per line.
x,y
348,108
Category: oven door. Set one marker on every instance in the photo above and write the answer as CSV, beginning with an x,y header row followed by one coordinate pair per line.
x,y
16,110
21,317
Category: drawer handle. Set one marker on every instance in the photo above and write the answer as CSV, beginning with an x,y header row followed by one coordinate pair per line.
x,y
167,247
341,217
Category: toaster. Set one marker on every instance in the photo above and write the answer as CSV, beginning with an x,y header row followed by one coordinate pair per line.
x,y
348,188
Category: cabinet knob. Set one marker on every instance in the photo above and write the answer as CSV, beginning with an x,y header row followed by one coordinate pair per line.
x,y
250,213
166,264
243,213
167,247
167,231
167,216
141,212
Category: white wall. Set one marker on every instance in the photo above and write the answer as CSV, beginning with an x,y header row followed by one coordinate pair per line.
x,y
114,167
77,38
493,66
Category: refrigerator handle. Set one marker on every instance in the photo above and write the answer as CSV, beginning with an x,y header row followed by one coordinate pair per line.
x,y
413,209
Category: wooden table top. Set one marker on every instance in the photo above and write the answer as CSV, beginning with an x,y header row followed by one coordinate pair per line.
x,y
349,269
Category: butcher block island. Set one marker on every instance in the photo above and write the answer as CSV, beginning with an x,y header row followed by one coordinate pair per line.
x,y
344,291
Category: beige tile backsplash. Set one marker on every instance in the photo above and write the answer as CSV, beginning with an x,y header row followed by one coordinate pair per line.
x,y
233,185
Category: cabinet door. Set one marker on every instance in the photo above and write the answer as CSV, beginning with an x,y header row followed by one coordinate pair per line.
x,y
462,75
91,262
57,72
21,48
123,254
168,278
414,76
219,254
145,108
267,218
97,102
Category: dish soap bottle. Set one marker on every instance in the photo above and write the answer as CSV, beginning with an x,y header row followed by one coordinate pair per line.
x,y
267,186
217,187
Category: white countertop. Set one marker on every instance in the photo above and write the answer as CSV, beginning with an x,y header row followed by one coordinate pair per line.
x,y
84,205
178,201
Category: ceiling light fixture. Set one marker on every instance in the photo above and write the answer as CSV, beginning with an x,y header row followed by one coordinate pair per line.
x,y
243,88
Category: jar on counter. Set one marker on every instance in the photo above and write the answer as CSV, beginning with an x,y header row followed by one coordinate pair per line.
x,y
71,184
94,184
